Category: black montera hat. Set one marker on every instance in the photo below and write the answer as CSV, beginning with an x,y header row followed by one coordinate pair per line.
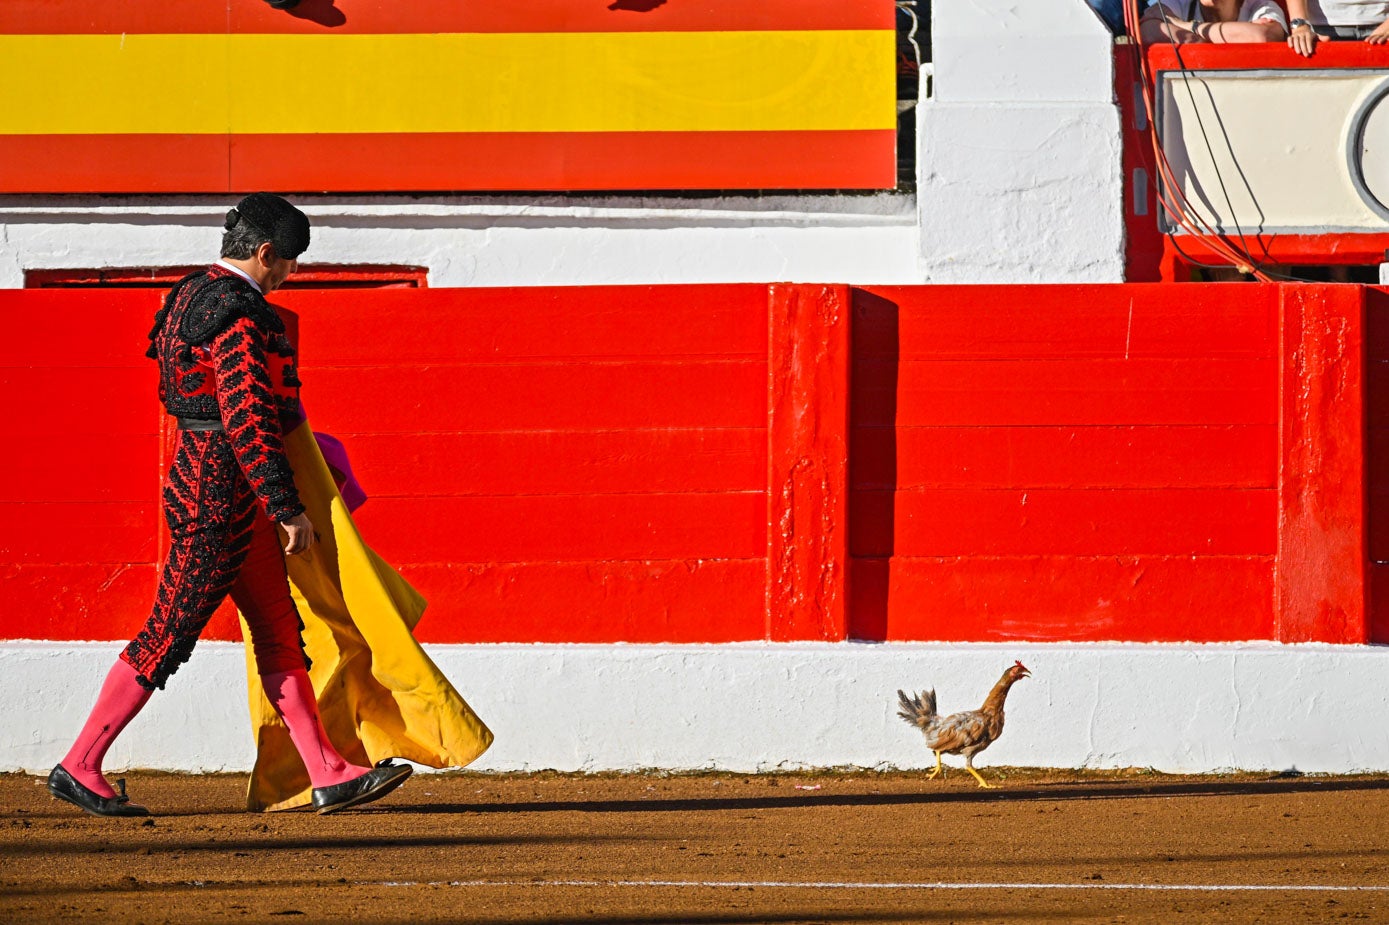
x,y
283,225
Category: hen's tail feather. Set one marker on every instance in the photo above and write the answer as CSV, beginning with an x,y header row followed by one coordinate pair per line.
x,y
918,710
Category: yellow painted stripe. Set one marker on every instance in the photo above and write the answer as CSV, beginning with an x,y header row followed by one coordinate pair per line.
x,y
500,82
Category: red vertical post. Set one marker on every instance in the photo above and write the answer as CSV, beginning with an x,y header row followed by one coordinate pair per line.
x,y
1322,567
808,463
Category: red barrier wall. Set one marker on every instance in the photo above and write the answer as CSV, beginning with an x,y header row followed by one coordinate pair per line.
x,y
717,463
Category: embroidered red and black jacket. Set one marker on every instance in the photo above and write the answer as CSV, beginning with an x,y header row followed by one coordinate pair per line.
x,y
223,355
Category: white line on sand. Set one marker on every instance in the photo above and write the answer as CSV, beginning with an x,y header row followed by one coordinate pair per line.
x,y
853,885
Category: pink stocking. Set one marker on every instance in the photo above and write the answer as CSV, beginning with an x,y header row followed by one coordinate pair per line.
x,y
121,698
291,695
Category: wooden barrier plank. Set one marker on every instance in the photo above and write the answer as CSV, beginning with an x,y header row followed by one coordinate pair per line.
x,y
558,462
504,325
1322,575
80,533
67,466
567,528
965,522
47,400
1066,322
1059,598
524,396
75,601
89,327
1230,456
705,600
1066,392
807,462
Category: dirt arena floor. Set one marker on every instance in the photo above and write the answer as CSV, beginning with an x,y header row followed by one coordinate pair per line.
x,y
716,848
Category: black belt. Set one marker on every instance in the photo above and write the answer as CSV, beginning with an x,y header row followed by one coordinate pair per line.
x,y
195,424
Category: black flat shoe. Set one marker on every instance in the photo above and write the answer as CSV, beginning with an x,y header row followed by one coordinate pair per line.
x,y
65,787
373,785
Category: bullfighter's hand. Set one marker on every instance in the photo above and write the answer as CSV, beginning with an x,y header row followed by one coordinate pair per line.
x,y
299,535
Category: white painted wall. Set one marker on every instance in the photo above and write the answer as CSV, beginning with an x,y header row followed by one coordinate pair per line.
x,y
769,706
1019,181
1019,167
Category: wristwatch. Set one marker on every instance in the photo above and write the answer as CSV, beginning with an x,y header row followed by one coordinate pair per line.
x,y
1298,22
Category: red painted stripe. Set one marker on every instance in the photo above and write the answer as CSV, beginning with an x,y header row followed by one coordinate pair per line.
x,y
25,17
1266,55
963,522
608,396
566,161
1057,598
1197,391
555,462
1065,457
851,159
1064,322
501,325
114,163
567,528
652,601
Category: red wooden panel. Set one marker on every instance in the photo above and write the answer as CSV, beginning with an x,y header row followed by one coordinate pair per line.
x,y
829,159
79,601
1065,457
500,325
962,522
390,399
1321,582
114,163
91,328
567,528
1022,322
47,400
1057,598
383,16
807,463
650,601
71,466
557,462
1065,392
81,534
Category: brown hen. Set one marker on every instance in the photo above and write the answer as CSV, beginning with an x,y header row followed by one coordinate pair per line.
x,y
967,733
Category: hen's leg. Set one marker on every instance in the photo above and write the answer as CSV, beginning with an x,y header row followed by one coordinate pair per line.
x,y
969,766
936,772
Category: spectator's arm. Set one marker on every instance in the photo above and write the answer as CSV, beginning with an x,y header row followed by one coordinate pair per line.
x,y
1157,29
1301,39
1264,30
1380,36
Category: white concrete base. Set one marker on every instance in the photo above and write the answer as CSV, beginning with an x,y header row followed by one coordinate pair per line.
x,y
757,707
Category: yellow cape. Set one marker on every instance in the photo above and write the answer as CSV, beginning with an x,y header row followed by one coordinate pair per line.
x,y
379,694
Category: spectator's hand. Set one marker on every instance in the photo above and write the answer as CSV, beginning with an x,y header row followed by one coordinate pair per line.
x,y
299,535
1380,36
1303,40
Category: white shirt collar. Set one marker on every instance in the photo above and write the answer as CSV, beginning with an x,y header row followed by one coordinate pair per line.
x,y
241,273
